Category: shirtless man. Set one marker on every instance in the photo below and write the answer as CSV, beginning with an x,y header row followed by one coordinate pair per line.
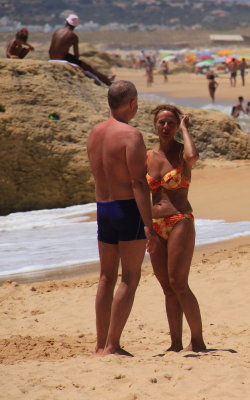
x,y
117,158
233,67
63,39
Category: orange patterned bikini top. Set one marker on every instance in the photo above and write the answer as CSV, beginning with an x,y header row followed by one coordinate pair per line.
x,y
172,180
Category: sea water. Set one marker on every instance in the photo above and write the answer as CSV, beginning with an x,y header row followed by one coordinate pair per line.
x,y
51,239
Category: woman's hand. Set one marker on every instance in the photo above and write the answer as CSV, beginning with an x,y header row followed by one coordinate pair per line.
x,y
184,121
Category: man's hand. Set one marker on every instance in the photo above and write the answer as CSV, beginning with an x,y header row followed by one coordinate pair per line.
x,y
152,240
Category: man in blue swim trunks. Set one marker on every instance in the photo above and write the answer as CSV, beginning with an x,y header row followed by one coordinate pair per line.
x,y
117,156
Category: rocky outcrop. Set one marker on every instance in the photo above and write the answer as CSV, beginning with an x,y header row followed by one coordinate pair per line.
x,y
43,161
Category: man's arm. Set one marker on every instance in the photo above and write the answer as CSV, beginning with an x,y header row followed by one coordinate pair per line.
x,y
136,163
75,47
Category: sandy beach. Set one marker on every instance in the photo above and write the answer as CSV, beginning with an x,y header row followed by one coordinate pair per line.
x,y
47,331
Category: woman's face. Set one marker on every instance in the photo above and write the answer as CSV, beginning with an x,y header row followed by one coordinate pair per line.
x,y
166,125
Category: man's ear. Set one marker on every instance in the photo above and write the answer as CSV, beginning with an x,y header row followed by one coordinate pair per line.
x,y
132,102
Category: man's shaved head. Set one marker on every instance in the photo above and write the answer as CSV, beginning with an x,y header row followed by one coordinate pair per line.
x,y
120,93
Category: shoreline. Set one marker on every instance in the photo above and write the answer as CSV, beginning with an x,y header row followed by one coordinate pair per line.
x,y
90,269
190,102
212,198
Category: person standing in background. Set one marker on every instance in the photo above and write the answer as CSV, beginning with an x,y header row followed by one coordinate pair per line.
x,y
149,66
212,85
233,68
165,70
242,68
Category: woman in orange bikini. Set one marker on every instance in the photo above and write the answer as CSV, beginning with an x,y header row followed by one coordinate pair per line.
x,y
169,175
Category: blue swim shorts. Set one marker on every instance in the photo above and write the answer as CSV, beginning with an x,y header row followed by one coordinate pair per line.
x,y
119,220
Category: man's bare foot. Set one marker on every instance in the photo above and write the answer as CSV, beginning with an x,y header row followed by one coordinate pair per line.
x,y
97,352
116,351
111,77
196,347
175,347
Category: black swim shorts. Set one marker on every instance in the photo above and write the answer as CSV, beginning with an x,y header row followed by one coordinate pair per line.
x,y
119,220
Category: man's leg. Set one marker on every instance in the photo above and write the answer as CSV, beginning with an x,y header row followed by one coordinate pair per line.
x,y
132,254
109,260
104,78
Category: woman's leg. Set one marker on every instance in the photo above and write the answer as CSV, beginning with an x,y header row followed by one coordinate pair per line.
x,y
173,308
180,251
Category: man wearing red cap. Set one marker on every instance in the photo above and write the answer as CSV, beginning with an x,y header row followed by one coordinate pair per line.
x,y
63,39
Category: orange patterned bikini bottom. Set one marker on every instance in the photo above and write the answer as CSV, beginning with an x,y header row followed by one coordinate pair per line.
x,y
163,226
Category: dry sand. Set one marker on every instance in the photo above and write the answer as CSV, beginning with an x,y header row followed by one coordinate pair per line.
x,y
47,330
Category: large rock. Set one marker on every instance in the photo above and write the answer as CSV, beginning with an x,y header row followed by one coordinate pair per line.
x,y
43,162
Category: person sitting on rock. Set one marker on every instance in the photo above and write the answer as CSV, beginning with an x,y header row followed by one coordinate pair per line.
x,y
19,47
63,39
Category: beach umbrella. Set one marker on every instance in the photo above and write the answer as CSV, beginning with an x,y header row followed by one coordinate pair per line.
x,y
169,58
164,54
204,53
205,63
191,58
224,52
236,56
205,57
219,60
228,60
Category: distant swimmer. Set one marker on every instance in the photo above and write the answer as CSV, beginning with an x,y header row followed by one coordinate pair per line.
x,y
65,38
19,47
238,108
